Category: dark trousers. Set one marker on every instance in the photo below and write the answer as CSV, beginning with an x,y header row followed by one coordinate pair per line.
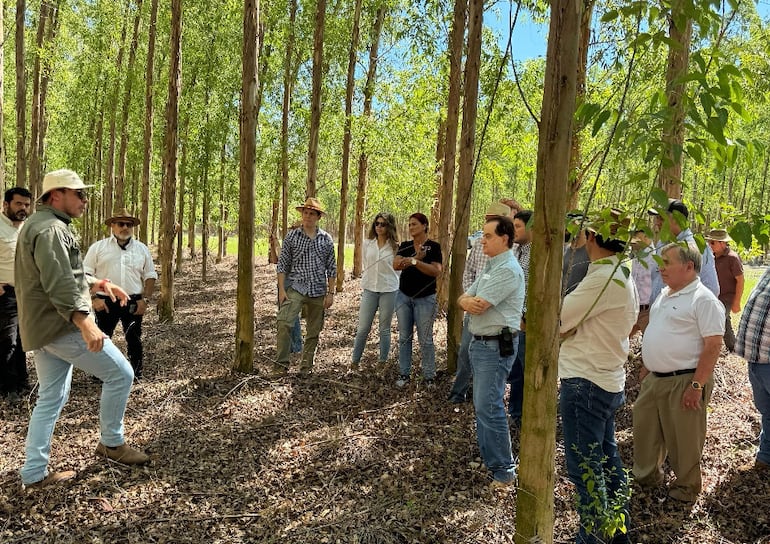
x,y
132,328
13,362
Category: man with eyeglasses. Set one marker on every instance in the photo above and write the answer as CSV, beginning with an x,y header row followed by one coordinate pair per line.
x,y
128,263
14,379
56,323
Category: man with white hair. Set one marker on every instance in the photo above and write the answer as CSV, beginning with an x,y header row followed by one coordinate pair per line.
x,y
57,324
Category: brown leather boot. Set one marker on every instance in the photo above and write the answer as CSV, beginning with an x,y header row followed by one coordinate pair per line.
x,y
122,454
53,478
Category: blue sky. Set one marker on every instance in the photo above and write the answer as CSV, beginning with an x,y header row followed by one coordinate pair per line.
x,y
530,38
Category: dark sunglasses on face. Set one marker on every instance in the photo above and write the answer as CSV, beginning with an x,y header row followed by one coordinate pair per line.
x,y
380,224
80,193
122,224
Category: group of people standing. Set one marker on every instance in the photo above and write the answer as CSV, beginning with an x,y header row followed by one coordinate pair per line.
x,y
60,306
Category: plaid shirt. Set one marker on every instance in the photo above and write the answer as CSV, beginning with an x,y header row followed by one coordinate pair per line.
x,y
753,338
522,254
308,263
474,264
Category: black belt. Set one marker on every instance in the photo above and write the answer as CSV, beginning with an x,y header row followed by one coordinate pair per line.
x,y
495,337
643,307
674,373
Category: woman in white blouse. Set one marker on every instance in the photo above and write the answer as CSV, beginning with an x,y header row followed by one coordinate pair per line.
x,y
380,285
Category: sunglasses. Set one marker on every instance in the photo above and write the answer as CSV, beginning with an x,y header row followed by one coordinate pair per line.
x,y
380,224
122,224
80,193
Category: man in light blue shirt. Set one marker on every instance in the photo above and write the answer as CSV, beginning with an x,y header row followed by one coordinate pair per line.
x,y
677,211
495,301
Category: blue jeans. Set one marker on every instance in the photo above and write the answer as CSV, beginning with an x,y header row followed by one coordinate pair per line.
x,y
419,312
490,371
296,337
463,375
370,301
54,363
516,379
588,419
759,376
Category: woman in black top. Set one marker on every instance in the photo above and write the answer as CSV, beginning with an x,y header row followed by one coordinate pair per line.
x,y
419,261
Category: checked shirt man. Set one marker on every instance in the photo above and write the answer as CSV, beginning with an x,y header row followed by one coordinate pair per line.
x,y
306,270
494,302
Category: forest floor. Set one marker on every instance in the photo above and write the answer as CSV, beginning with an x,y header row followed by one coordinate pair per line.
x,y
341,456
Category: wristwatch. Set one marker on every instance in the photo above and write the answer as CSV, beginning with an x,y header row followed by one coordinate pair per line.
x,y
696,385
414,261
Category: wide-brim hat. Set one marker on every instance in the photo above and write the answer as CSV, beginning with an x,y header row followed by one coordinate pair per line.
x,y
718,235
62,179
311,204
122,215
498,209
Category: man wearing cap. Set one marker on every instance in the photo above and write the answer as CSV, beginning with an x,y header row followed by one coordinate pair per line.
x,y
128,263
677,224
56,324
680,349
13,363
306,270
596,319
730,273
474,264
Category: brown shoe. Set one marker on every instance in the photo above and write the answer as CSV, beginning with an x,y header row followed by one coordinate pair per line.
x,y
53,478
124,454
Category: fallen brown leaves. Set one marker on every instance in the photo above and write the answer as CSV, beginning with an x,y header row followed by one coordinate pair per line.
x,y
339,456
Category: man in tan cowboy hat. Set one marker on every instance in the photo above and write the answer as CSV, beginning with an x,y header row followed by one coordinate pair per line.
x,y
730,275
306,270
128,263
52,292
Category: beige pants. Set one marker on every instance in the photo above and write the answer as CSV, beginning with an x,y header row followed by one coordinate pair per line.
x,y
663,428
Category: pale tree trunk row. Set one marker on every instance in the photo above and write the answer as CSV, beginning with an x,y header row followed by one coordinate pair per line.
x,y
244,328
363,158
346,145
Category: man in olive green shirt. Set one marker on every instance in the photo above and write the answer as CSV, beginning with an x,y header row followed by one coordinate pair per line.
x,y
56,323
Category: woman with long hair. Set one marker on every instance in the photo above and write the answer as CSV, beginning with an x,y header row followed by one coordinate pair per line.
x,y
379,282
419,261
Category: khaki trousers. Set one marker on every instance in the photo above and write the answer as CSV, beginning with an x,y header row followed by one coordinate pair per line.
x,y
663,428
314,322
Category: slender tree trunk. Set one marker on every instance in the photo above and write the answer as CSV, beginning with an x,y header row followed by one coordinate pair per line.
x,y
171,141
346,144
454,317
680,33
466,167
288,85
205,189
315,99
45,78
191,217
534,508
577,173
363,158
21,98
181,196
35,115
222,242
120,179
98,153
244,328
3,152
148,115
109,181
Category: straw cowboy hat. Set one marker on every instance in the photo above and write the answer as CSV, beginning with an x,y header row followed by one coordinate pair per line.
x,y
498,208
718,235
311,204
122,215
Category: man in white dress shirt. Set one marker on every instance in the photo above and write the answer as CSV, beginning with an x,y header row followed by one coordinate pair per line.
x,y
128,263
